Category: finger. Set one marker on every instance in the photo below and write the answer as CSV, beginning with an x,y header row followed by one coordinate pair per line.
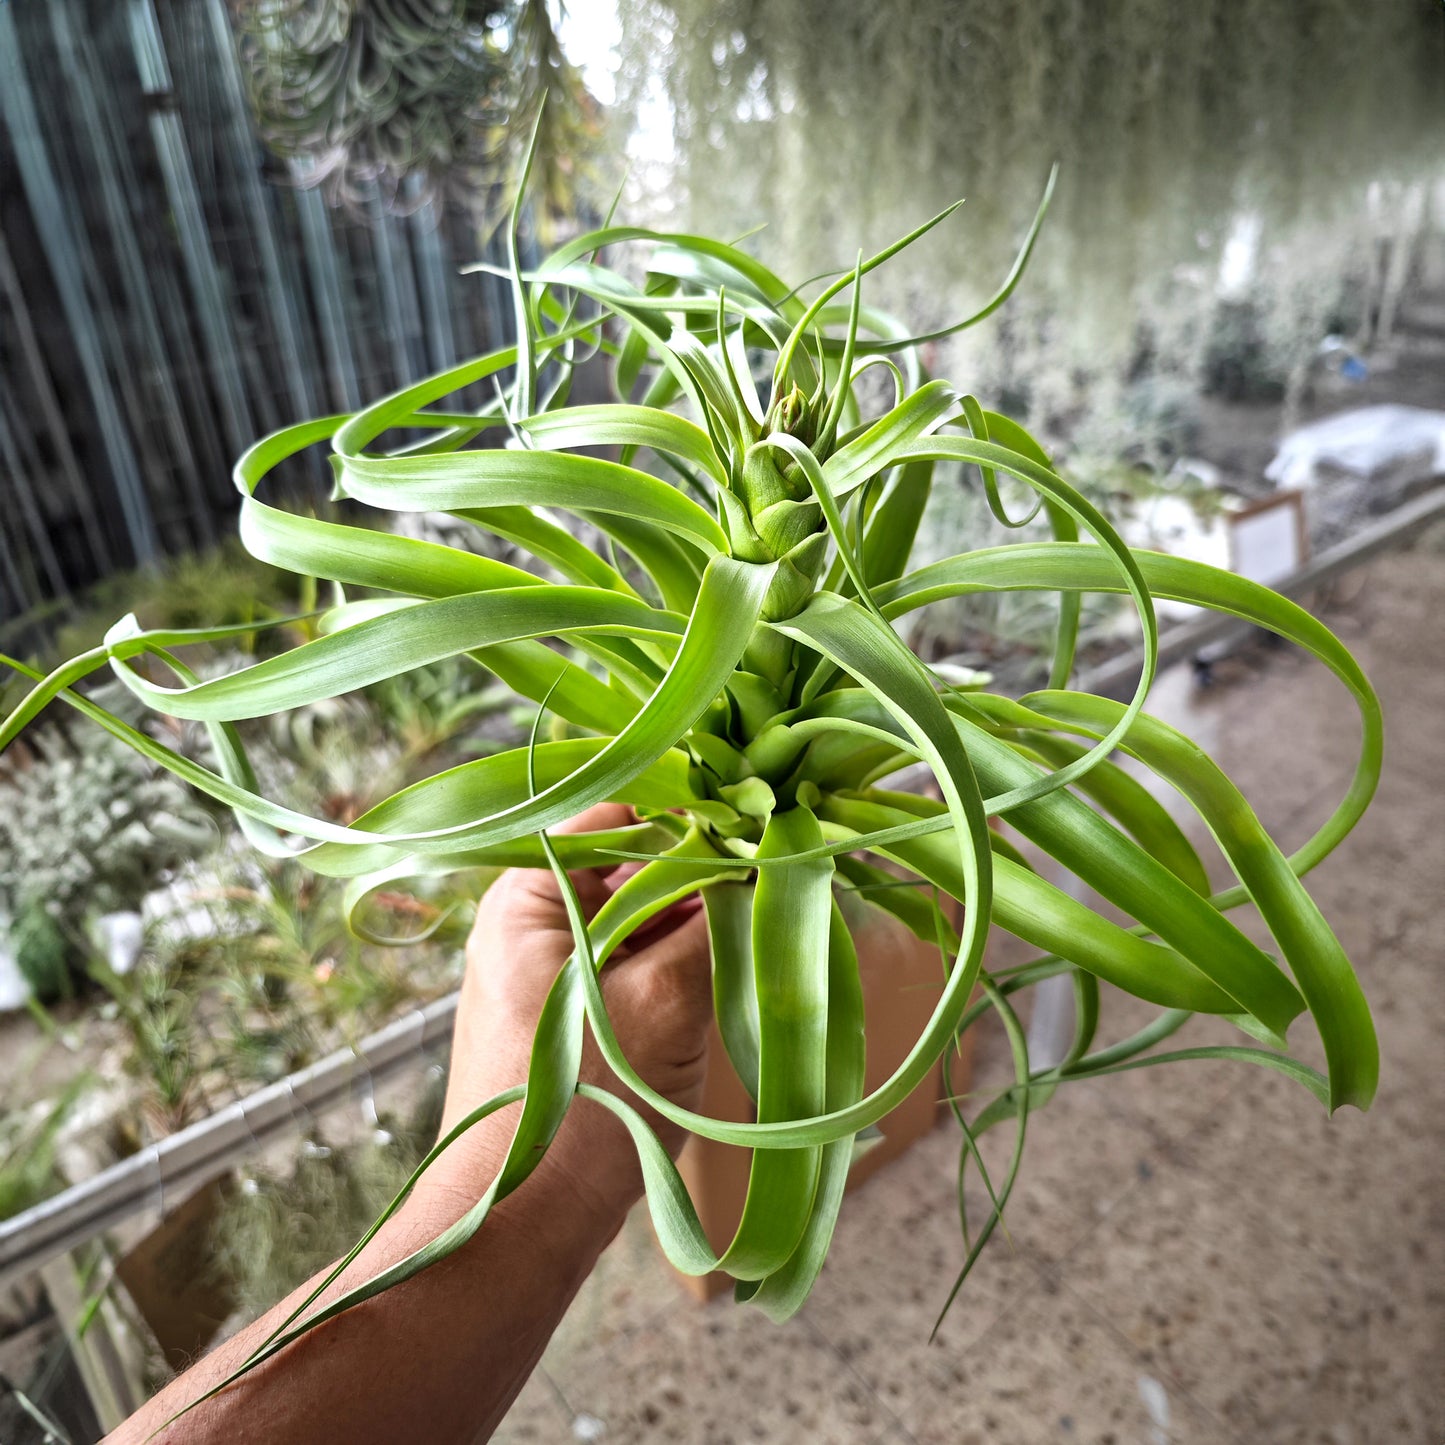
x,y
660,924
537,885
668,986
619,873
598,817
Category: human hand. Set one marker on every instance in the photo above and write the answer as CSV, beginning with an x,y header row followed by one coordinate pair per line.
x,y
659,997
442,1357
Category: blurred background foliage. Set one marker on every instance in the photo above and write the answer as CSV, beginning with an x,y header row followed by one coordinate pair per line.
x,y
1235,176
427,97
1251,195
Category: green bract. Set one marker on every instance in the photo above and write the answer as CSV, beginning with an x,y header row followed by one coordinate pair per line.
x,y
729,668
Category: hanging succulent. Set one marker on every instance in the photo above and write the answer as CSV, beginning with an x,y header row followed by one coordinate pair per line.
x,y
737,679
418,96
1286,150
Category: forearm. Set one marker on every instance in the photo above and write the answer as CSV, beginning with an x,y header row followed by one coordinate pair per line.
x,y
440,1357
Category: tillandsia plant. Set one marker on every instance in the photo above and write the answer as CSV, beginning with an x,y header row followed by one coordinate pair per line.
x,y
729,667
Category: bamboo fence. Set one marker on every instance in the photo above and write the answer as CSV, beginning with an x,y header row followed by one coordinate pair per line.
x,y
169,291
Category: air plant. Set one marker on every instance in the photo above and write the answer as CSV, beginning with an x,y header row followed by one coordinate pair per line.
x,y
28,1171
731,669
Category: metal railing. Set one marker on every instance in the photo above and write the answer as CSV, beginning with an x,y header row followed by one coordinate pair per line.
x,y
170,1168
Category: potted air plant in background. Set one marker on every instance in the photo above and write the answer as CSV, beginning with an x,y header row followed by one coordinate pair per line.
x,y
728,666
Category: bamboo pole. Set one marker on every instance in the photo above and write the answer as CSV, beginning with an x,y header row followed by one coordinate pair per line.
x,y
326,292
68,256
39,373
207,292
298,363
116,177
22,489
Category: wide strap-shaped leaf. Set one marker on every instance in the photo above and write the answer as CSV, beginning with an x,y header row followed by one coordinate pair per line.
x,y
1009,433
728,608
909,898
1308,943
593,849
674,565
65,676
491,785
1090,847
273,530
367,557
362,557
1035,910
548,543
916,416
1104,858
397,642
893,528
462,480
783,1293
1125,799
1061,567
534,670
737,270
790,930
685,868
860,643
1063,496
734,990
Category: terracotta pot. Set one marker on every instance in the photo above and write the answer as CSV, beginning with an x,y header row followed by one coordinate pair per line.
x,y
902,978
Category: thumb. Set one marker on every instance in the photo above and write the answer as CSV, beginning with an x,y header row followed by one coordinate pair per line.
x,y
532,898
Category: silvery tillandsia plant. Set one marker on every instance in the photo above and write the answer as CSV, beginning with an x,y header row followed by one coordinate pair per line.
x,y
730,667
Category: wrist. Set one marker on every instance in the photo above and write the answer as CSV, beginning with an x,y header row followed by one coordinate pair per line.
x,y
576,1197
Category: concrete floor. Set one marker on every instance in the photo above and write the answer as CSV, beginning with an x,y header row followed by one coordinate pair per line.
x,y
1198,1255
